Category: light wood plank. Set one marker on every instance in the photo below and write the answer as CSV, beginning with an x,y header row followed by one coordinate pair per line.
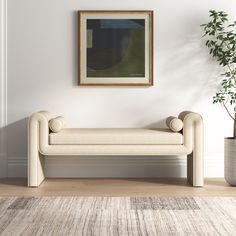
x,y
115,187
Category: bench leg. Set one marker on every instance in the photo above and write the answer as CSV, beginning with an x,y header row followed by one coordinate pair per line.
x,y
35,169
195,169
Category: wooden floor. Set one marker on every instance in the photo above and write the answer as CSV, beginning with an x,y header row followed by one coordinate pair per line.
x,y
115,187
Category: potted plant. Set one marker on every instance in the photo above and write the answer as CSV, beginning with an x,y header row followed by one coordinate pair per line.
x,y
221,41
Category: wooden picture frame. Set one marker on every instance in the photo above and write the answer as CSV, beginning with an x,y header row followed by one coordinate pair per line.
x,y
116,48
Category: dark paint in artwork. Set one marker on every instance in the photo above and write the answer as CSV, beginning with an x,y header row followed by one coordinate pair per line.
x,y
115,48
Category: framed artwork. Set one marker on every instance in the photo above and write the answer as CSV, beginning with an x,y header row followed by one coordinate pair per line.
x,y
116,48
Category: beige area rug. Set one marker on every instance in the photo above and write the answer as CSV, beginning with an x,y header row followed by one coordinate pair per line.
x,y
126,216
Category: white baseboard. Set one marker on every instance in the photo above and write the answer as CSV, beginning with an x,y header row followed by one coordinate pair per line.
x,y
115,166
214,167
3,164
112,167
17,167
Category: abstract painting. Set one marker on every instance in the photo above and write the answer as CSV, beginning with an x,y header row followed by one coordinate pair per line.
x,y
115,48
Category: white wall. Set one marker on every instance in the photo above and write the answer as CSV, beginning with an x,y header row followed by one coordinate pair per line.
x,y
42,75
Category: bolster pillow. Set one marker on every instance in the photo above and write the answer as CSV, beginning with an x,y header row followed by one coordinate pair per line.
x,y
56,124
174,123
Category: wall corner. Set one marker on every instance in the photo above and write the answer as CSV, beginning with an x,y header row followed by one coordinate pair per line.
x,y
3,88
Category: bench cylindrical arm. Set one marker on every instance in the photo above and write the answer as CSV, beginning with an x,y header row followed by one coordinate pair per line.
x,y
192,130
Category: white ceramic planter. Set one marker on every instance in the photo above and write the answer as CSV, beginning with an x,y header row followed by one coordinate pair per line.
x,y
230,160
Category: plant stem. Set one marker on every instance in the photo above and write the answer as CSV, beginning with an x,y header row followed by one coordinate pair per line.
x,y
235,127
228,111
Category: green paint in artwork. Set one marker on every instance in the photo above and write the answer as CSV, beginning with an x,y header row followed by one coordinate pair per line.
x,y
89,38
133,62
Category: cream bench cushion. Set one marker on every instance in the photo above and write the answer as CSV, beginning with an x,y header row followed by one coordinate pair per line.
x,y
118,136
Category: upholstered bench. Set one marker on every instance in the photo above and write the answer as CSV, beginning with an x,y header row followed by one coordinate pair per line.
x,y
48,137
